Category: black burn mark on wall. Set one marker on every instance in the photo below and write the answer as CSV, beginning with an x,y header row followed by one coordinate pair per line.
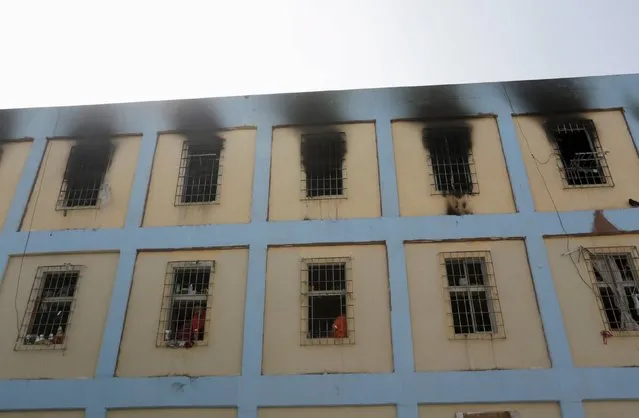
x,y
199,122
6,128
549,96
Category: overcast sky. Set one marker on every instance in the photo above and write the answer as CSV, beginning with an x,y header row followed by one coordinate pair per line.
x,y
76,52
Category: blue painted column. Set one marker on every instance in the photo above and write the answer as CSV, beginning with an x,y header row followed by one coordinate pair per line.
x,y
137,200
387,172
572,409
95,412
632,119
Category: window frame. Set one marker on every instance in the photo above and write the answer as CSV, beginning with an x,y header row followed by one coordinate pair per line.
x,y
303,178
306,295
62,202
169,298
589,128
183,168
36,298
512,414
632,257
489,287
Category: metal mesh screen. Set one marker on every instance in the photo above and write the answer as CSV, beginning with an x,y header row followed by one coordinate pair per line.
x,y
451,160
186,304
51,303
581,160
327,309
199,176
614,275
324,173
472,294
84,176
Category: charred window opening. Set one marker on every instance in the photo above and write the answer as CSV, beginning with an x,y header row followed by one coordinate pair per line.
x,y
323,162
84,176
327,309
186,306
579,152
614,274
51,303
450,156
199,172
474,305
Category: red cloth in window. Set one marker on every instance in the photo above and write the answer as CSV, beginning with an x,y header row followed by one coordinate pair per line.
x,y
340,327
197,322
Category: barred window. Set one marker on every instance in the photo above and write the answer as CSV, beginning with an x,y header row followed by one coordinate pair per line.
x,y
472,294
613,271
84,175
581,160
186,304
327,309
199,175
500,414
323,164
451,160
51,302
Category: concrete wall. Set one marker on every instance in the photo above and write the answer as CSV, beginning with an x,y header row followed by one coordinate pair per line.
x,y
616,409
41,213
526,410
524,345
332,412
287,200
84,335
222,355
371,352
579,305
619,150
13,155
173,413
236,180
415,176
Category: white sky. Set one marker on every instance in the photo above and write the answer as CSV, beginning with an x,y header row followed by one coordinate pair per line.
x,y
80,52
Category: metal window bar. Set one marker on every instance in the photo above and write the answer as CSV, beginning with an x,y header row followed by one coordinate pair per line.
x,y
451,161
84,176
186,304
496,414
580,158
199,174
613,271
324,171
327,302
50,306
472,294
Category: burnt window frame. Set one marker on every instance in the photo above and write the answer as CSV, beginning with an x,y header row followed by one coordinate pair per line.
x,y
444,161
82,146
489,287
304,181
183,170
553,126
26,339
170,297
306,294
632,258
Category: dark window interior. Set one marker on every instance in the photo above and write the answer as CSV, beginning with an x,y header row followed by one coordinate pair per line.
x,y
200,181
326,307
188,310
323,156
576,146
470,304
84,175
449,151
611,309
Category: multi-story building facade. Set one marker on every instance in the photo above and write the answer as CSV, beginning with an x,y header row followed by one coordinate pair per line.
x,y
432,252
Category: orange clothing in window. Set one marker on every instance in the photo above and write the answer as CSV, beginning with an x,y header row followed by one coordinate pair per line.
x,y
340,327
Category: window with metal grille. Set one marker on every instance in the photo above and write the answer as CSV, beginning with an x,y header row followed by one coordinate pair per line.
x,y
613,271
323,165
500,414
84,176
581,160
51,302
186,304
327,309
199,175
451,160
472,294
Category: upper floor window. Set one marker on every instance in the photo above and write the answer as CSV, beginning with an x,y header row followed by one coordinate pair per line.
x,y
323,157
327,310
186,304
582,161
199,176
451,160
48,316
499,414
474,308
84,175
616,280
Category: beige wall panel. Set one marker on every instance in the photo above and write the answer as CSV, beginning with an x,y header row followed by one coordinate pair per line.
x,y
331,411
13,156
526,410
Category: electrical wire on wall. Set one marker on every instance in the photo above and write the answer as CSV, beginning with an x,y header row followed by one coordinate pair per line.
x,y
26,243
537,163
